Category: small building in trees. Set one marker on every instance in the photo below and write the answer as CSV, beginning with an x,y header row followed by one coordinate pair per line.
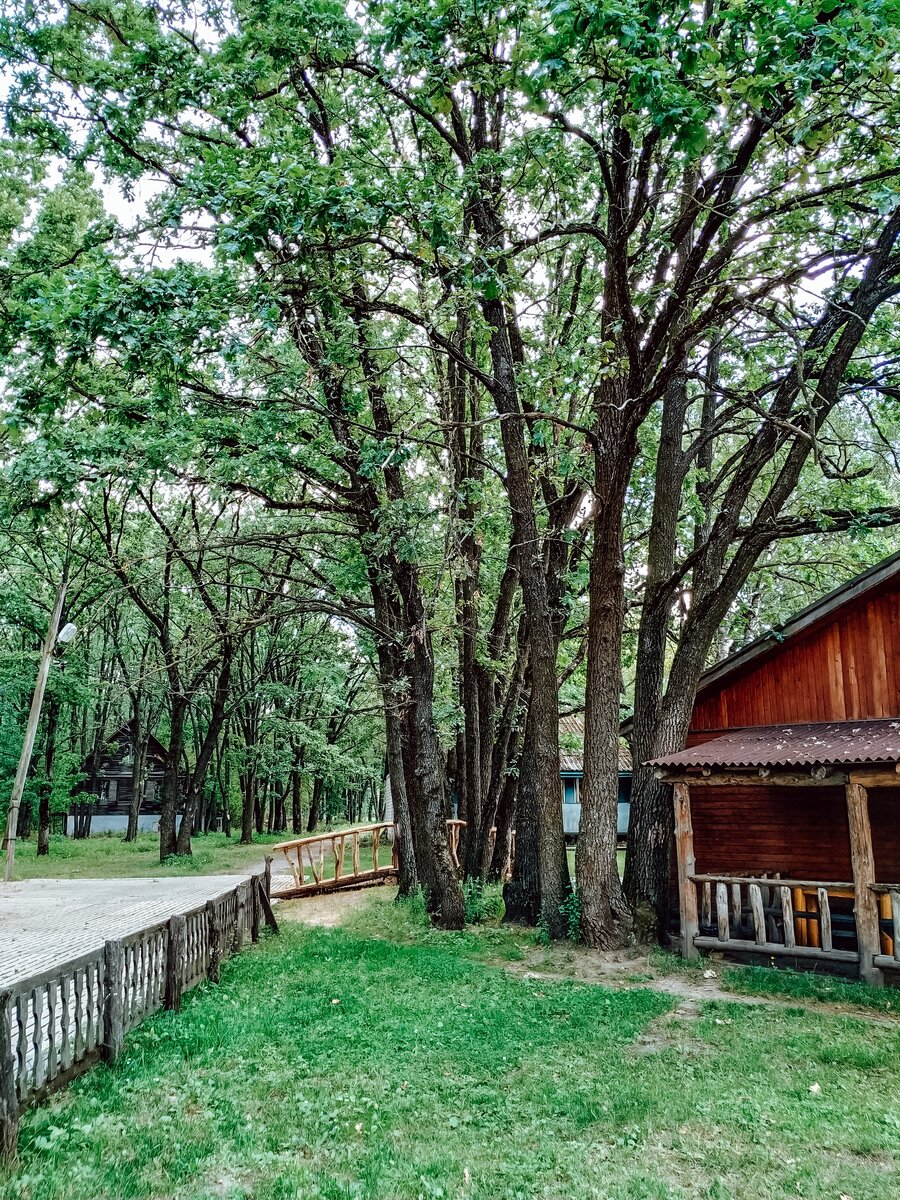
x,y
787,797
571,770
110,781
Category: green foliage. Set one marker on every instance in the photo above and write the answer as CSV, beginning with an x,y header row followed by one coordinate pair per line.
x,y
483,901
571,910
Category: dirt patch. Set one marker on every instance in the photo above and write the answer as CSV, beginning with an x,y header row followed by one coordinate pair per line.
x,y
327,911
668,1031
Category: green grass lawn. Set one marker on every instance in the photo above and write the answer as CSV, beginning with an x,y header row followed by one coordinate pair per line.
x,y
108,857
338,1065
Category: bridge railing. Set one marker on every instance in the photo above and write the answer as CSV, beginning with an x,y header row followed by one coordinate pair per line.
x,y
345,858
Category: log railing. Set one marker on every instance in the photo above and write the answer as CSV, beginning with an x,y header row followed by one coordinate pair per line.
x,y
454,839
56,1024
774,916
352,852
889,912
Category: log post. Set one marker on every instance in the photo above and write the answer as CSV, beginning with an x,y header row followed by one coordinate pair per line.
x,y
9,1100
269,915
254,908
267,876
240,919
214,933
175,962
113,984
687,891
865,904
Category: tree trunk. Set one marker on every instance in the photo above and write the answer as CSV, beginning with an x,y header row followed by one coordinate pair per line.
x,y
171,784
315,804
43,838
297,800
605,918
522,893
137,772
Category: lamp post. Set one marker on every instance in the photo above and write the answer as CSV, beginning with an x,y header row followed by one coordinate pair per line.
x,y
54,635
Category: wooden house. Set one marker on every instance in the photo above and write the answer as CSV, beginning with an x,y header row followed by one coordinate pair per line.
x,y
571,770
787,797
109,781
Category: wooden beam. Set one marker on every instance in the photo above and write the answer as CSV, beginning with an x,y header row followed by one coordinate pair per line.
x,y
748,779
769,881
865,903
875,777
776,950
687,891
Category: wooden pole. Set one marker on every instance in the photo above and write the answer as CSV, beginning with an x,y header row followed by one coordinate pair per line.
x,y
214,933
687,890
34,716
865,903
175,962
114,978
9,1100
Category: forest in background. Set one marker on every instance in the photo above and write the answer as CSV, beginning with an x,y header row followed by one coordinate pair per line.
x,y
388,383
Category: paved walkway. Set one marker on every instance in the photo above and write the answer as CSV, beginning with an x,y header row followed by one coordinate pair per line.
x,y
49,921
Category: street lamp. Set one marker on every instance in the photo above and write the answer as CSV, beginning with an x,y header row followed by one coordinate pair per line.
x,y
54,635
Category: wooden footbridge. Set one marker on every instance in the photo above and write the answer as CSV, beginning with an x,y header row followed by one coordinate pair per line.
x,y
347,858
352,858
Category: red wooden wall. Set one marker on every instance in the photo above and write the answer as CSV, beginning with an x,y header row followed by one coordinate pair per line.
x,y
798,832
845,667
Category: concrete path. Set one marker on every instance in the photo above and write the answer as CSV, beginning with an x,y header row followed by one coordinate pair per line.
x,y
48,921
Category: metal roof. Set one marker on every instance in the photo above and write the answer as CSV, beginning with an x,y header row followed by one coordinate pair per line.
x,y
825,743
571,728
836,599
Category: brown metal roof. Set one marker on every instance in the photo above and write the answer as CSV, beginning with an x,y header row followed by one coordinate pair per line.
x,y
571,736
825,743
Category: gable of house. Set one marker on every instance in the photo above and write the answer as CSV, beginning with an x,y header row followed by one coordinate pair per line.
x,y
838,660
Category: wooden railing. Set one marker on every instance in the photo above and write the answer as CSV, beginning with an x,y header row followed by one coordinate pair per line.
x,y
889,912
774,916
346,870
454,837
56,1024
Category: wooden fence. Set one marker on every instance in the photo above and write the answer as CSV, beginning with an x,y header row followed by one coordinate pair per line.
x,y
58,1023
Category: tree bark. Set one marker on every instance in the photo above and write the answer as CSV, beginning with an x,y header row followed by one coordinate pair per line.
x,y
43,838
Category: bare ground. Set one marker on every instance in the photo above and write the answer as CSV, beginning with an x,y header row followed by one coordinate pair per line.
x,y
327,911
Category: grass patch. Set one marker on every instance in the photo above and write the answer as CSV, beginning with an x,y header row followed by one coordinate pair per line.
x,y
333,1065
108,856
807,985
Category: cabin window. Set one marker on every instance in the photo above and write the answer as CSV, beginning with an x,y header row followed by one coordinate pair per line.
x,y
570,791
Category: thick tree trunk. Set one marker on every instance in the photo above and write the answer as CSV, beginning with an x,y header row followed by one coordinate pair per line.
x,y
605,917
522,893
650,826
407,873
542,640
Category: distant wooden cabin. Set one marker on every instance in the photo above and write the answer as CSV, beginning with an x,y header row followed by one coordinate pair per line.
x,y
109,781
571,763
787,797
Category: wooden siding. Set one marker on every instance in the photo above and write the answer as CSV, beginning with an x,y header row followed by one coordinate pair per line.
x,y
796,832
846,668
